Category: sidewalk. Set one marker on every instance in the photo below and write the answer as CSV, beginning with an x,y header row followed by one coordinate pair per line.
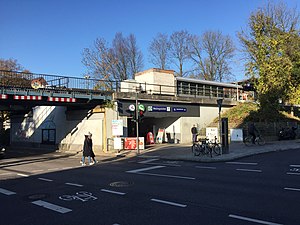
x,y
236,150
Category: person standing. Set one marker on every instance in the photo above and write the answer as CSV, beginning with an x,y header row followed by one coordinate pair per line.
x,y
194,133
87,150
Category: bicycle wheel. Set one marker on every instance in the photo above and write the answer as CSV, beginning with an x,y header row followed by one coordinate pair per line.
x,y
217,149
261,141
196,149
248,141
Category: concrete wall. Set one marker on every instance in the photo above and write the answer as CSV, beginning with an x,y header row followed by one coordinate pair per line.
x,y
163,79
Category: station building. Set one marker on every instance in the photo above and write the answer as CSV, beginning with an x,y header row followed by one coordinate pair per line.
x,y
173,104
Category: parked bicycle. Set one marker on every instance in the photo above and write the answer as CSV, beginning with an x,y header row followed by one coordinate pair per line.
x,y
201,148
259,140
206,147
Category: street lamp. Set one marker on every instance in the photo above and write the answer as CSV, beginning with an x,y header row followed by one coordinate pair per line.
x,y
219,102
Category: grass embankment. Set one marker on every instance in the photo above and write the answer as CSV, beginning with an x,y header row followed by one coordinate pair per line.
x,y
245,112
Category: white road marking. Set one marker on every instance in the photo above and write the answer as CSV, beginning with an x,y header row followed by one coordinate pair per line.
x,y
145,169
166,175
148,160
6,192
113,192
206,167
51,206
22,175
241,163
168,202
252,220
76,185
44,179
293,173
247,170
294,165
292,189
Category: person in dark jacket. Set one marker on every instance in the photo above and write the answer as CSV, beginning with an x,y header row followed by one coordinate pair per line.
x,y
194,133
92,151
252,131
87,150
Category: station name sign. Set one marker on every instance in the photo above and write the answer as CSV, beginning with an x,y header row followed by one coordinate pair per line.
x,y
166,109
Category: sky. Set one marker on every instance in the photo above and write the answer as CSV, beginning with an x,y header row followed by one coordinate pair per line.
x,y
48,36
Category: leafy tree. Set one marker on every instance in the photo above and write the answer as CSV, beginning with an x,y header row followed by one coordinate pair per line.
x,y
270,57
159,51
120,61
211,53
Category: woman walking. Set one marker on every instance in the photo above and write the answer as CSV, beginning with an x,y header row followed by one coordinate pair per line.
x,y
92,152
87,150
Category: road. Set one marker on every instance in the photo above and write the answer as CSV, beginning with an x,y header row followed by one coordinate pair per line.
x,y
54,189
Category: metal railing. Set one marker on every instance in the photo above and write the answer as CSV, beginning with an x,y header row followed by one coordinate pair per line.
x,y
55,83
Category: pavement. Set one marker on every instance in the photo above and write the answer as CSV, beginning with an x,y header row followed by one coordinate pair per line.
x,y
167,151
183,151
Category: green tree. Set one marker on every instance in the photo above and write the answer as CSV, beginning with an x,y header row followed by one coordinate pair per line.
x,y
270,56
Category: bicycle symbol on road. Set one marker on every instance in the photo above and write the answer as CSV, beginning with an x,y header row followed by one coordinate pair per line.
x,y
295,170
81,195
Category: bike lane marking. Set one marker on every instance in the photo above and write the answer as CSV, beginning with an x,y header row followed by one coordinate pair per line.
x,y
242,163
145,169
76,185
7,192
45,179
113,192
247,170
206,167
292,189
51,206
142,172
252,220
168,203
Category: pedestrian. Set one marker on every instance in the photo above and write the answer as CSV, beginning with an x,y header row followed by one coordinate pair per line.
x,y
92,151
194,133
86,151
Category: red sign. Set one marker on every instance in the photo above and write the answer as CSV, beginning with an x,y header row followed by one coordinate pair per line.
x,y
130,143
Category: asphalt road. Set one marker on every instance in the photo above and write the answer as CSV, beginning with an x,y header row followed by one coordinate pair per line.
x,y
54,189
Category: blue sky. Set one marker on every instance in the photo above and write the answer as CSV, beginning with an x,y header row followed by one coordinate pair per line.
x,y
48,36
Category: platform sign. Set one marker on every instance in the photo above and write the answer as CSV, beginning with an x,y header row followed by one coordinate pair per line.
x,y
117,127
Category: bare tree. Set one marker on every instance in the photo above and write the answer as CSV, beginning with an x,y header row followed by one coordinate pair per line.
x,y
180,49
10,65
118,62
211,53
135,56
159,51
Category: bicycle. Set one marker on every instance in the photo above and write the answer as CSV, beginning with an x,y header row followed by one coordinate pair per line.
x,y
215,147
259,140
201,148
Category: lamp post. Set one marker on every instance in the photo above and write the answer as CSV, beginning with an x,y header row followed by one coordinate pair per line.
x,y
219,102
137,122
